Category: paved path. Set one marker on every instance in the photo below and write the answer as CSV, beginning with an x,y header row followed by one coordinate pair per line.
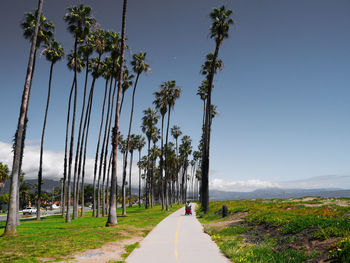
x,y
178,238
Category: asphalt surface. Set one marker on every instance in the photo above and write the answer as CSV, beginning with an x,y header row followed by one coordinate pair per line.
x,y
178,238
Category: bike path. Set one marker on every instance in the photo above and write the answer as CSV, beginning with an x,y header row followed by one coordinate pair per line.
x,y
179,238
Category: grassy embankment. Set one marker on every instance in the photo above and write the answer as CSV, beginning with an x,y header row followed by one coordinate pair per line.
x,y
53,239
276,230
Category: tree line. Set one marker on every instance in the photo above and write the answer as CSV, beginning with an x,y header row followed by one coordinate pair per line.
x,y
100,54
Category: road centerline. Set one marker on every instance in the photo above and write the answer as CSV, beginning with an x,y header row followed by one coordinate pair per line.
x,y
176,237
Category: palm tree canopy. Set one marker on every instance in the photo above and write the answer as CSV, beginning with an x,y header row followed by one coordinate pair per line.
x,y
202,90
46,28
113,44
79,20
221,23
72,60
53,51
155,134
160,101
176,132
173,93
149,120
106,67
99,38
141,142
87,47
133,142
205,68
185,147
138,63
96,67
127,79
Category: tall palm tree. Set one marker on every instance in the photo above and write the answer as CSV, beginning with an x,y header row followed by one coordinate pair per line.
x,y
53,53
45,33
173,94
149,120
161,104
176,133
86,50
79,23
202,91
132,146
140,144
112,215
66,184
219,31
139,65
11,223
185,151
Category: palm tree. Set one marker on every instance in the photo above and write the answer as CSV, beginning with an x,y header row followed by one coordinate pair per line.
x,y
79,24
112,215
53,53
79,64
173,95
176,132
185,151
11,223
45,33
139,65
132,146
149,120
161,104
86,50
219,31
139,145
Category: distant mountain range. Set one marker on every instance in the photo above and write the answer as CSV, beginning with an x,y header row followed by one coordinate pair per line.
x,y
264,193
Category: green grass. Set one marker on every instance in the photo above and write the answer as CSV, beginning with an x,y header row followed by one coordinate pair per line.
x,y
53,238
279,230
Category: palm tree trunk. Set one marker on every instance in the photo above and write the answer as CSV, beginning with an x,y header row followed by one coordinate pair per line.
x,y
107,187
131,156
66,150
23,139
70,160
148,173
112,216
205,160
97,151
42,145
161,164
76,180
139,179
128,139
166,171
106,144
87,117
10,229
103,151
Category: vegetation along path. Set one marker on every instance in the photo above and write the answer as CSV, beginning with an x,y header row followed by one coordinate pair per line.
x,y
178,238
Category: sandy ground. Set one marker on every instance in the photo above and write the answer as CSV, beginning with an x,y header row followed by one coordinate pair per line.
x,y
109,252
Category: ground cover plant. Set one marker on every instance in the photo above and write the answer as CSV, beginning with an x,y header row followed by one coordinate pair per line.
x,y
53,239
281,230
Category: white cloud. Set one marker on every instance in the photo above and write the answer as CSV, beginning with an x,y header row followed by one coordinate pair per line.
x,y
53,164
240,186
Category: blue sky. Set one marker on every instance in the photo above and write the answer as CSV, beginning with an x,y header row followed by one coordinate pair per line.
x,y
283,95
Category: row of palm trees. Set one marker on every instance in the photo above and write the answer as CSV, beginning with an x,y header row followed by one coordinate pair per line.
x,y
101,54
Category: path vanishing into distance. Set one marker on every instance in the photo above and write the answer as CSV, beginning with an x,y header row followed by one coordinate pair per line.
x,y
178,238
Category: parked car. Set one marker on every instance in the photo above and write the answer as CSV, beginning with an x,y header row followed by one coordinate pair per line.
x,y
29,210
